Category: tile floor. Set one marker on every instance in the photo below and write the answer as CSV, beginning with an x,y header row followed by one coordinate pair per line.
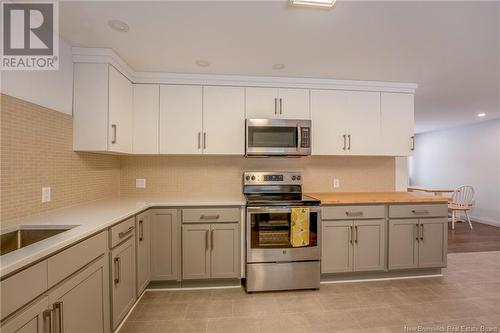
x,y
468,294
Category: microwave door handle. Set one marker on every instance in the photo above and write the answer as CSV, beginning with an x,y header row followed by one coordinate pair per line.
x,y
299,137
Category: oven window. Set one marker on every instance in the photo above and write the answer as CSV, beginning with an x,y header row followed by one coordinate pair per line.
x,y
272,230
269,136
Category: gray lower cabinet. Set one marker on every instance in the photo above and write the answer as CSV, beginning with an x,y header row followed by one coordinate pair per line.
x,y
210,251
418,243
82,303
143,249
352,246
165,233
122,275
34,319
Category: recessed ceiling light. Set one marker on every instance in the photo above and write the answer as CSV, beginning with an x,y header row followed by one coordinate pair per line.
x,y
118,25
202,63
481,114
278,66
313,3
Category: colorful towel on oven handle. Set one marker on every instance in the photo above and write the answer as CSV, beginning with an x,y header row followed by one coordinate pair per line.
x,y
300,227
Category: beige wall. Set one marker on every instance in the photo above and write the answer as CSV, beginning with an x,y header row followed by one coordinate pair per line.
x,y
220,176
36,151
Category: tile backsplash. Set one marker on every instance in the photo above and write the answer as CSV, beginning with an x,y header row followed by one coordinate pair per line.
x,y
36,151
222,176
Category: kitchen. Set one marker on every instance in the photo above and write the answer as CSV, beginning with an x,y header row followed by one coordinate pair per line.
x,y
138,195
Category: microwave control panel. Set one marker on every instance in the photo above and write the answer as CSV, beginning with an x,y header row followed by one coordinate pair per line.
x,y
305,137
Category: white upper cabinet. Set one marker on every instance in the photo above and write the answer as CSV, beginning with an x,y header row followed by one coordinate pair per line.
x,y
345,122
102,109
181,119
397,123
223,120
277,103
146,118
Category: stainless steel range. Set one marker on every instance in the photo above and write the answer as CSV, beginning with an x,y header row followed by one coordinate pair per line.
x,y
274,261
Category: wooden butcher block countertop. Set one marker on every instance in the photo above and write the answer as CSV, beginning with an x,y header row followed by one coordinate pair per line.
x,y
345,198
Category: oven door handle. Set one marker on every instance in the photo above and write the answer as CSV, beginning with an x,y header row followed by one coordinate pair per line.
x,y
313,209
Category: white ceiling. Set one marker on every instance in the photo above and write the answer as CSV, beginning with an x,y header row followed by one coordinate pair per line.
x,y
451,49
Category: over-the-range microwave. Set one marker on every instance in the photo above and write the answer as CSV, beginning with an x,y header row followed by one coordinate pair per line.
x,y
278,137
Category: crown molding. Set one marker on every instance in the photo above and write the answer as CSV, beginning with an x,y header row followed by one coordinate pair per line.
x,y
106,55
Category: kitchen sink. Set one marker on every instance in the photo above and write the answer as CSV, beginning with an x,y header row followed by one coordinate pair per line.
x,y
29,234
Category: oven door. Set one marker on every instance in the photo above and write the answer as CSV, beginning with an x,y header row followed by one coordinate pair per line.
x,y
267,137
268,235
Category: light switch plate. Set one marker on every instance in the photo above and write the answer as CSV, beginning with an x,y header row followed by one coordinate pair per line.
x,y
336,183
140,183
46,194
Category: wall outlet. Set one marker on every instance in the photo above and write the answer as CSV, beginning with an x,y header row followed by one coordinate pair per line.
x,y
140,183
336,183
45,194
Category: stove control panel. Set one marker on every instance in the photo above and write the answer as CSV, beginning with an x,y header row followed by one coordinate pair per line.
x,y
272,178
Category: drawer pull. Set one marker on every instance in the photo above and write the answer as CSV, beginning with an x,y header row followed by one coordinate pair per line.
x,y
209,217
351,236
354,214
122,234
418,232
356,239
117,270
420,212
141,231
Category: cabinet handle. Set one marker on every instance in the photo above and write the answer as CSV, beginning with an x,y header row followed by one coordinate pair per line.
x,y
421,232
412,147
420,212
209,217
418,231
281,106
117,270
199,140
204,140
113,127
354,214
275,106
141,231
345,143
350,234
356,239
206,240
122,234
212,239
50,315
58,306
349,137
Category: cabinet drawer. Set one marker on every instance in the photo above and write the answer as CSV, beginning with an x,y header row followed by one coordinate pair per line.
x,y
69,261
198,215
120,232
352,212
418,211
22,287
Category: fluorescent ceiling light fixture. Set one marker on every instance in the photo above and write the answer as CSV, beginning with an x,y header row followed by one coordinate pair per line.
x,y
313,3
481,114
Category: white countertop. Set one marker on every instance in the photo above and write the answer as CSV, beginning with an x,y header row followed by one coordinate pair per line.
x,y
90,218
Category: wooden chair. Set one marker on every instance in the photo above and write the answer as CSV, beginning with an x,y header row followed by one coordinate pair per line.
x,y
461,201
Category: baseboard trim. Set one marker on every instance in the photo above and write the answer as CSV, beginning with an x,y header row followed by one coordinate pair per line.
x,y
485,221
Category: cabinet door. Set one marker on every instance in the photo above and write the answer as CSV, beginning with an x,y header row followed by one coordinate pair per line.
x,y
164,244
120,112
363,126
146,116
397,123
294,104
196,251
180,119
32,320
261,103
369,245
81,304
143,246
403,243
336,246
225,250
223,118
122,280
329,120
432,247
